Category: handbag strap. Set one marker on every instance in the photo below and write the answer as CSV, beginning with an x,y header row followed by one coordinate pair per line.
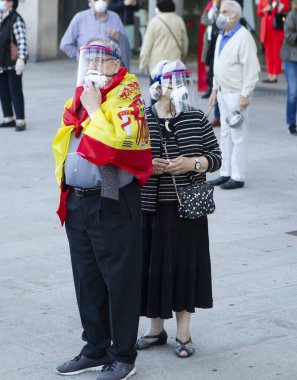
x,y
171,32
163,143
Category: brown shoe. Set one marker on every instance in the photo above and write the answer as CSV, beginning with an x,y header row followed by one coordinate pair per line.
x,y
216,122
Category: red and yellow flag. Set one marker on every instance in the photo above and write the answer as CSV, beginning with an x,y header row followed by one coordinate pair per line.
x,y
117,134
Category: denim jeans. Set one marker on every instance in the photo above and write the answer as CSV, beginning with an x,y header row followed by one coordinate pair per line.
x,y
291,76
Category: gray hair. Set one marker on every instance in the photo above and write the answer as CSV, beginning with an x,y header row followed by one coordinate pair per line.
x,y
109,43
235,7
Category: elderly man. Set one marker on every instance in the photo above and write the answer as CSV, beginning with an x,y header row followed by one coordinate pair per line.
x,y
95,21
102,154
236,72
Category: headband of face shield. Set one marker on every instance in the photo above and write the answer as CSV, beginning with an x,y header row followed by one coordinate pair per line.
x,y
174,76
93,65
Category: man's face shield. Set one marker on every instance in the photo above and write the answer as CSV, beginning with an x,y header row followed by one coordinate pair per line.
x,y
97,63
179,84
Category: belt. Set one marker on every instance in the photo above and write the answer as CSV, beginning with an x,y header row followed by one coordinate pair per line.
x,y
79,192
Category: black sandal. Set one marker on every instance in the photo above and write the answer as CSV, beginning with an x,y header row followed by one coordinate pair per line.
x,y
142,342
182,347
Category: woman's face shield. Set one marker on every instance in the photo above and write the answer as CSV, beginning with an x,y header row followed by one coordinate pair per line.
x,y
97,63
182,93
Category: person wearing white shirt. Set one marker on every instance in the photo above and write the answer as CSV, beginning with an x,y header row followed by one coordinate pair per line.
x,y
236,72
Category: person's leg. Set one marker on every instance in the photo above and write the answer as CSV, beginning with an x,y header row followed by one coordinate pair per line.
x,y
291,77
5,97
268,47
278,38
91,290
17,96
120,264
226,143
183,336
156,326
239,137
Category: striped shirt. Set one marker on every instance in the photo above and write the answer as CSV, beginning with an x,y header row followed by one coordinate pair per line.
x,y
191,136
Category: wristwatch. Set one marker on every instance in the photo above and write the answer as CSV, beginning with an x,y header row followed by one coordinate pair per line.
x,y
197,165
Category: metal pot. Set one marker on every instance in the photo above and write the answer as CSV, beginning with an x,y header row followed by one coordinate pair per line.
x,y
234,119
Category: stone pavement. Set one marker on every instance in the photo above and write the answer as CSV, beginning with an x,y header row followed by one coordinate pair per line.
x,y
250,334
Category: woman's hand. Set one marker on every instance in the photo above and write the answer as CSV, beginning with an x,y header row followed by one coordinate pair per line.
x,y
268,8
180,165
91,99
159,165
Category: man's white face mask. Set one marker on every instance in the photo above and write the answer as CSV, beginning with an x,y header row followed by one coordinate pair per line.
x,y
95,78
100,6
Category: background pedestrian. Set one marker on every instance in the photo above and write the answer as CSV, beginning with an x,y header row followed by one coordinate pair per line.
x,y
13,57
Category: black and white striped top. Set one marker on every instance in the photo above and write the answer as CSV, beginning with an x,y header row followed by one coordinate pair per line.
x,y
191,136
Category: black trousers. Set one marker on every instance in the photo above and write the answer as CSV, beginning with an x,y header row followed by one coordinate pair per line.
x,y
11,93
105,252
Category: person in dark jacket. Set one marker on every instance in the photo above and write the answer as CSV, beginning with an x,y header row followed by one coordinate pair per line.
x,y
125,9
289,55
13,56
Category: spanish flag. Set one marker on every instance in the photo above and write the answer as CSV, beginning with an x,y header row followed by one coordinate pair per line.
x,y
117,134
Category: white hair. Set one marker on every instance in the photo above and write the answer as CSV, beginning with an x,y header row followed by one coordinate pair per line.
x,y
235,7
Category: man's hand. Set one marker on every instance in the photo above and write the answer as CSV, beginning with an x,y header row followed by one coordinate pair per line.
x,y
19,66
141,70
91,99
180,165
113,34
159,165
243,102
213,98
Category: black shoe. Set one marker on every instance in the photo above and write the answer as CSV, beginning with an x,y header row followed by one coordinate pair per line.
x,y
117,371
10,124
81,364
143,343
218,181
267,80
20,127
207,94
292,129
232,184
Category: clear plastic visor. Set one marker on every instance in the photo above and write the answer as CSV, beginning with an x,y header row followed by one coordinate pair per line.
x,y
95,58
183,94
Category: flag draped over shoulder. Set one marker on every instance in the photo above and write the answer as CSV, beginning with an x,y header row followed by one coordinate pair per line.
x,y
117,134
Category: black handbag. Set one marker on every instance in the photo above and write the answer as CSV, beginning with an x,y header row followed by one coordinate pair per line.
x,y
195,200
279,21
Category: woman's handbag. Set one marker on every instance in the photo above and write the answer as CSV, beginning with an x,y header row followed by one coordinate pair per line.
x,y
13,49
195,200
279,21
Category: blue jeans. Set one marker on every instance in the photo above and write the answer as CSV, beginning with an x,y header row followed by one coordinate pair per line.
x,y
291,76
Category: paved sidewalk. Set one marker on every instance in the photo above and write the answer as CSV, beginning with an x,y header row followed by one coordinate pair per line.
x,y
250,334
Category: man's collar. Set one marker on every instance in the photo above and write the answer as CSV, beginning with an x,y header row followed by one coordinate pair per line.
x,y
232,31
94,14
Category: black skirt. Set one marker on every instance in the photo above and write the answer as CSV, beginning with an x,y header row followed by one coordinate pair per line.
x,y
176,264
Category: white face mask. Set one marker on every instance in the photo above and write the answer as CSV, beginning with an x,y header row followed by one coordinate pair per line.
x,y
222,21
179,96
95,78
3,6
100,6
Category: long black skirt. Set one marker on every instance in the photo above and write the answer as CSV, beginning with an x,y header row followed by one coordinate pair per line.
x,y
176,264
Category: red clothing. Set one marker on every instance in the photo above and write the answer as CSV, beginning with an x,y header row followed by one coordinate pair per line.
x,y
271,38
202,75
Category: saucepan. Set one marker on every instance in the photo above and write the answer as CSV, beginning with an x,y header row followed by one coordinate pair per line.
x,y
234,119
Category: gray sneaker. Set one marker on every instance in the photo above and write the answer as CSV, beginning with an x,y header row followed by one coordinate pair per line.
x,y
117,371
81,364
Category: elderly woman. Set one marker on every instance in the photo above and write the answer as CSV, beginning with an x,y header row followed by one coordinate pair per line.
x,y
12,65
165,37
176,262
